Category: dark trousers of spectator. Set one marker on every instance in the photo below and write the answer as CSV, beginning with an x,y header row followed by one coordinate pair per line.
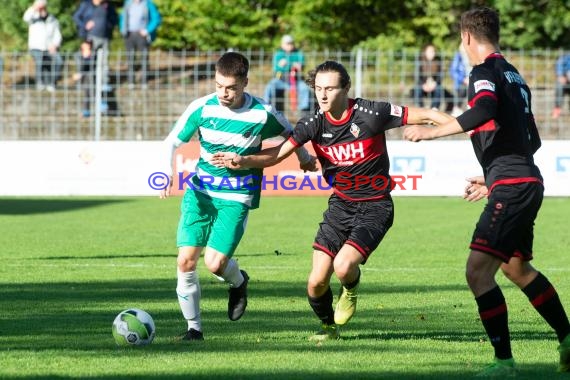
x,y
101,43
88,85
108,106
436,96
275,94
137,56
48,67
560,90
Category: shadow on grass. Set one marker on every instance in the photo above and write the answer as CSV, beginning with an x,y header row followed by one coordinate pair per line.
x,y
135,256
526,372
106,257
77,316
64,311
20,206
159,290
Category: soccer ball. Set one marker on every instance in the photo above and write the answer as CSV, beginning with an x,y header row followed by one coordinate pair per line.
x,y
133,327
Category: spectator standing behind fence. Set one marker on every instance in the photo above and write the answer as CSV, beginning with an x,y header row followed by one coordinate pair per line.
x,y
459,72
288,63
86,75
95,20
44,40
562,83
138,24
428,78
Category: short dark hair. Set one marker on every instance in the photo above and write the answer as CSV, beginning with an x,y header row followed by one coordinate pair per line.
x,y
483,23
233,64
327,67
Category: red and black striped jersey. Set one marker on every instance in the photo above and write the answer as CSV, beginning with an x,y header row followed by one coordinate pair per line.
x,y
352,152
500,123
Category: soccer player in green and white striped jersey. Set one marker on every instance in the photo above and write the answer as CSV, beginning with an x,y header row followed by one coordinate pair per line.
x,y
217,200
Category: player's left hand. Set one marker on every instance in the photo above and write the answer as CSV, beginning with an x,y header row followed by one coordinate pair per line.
x,y
310,166
165,193
228,160
475,189
417,133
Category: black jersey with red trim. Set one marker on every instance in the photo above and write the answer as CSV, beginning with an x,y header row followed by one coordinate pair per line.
x,y
500,123
352,151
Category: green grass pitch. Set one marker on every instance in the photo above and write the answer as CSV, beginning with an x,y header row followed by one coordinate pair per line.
x,y
69,265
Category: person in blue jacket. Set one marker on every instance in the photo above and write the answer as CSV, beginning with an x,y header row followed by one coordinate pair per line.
x,y
459,71
138,24
562,83
95,20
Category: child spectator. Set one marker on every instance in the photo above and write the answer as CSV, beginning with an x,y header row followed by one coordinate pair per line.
x,y
86,75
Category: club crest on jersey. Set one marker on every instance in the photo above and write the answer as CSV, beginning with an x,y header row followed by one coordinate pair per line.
x,y
354,129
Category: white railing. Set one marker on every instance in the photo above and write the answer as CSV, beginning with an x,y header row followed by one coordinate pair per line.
x,y
174,79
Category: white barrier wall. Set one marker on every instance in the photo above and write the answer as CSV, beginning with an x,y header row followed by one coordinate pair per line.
x,y
445,164
436,168
76,167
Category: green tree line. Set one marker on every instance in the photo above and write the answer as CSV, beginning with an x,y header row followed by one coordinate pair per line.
x,y
316,24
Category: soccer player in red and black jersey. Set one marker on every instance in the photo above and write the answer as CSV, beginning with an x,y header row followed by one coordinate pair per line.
x,y
348,136
504,136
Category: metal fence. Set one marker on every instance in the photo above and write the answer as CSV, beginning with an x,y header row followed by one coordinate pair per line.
x,y
174,79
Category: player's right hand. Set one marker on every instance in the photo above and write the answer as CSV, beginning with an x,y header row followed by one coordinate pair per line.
x,y
417,133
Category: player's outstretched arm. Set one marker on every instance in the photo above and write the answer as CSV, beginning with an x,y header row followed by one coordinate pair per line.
x,y
475,189
418,133
267,157
167,153
417,115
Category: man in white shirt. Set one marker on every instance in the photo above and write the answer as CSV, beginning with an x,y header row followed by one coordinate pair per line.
x,y
44,40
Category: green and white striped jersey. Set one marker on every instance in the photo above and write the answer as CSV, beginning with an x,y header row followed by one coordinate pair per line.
x,y
222,129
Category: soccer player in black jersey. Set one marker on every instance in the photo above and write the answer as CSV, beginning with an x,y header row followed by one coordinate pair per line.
x,y
504,136
348,136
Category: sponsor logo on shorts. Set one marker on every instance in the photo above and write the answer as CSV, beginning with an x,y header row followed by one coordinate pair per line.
x,y
481,241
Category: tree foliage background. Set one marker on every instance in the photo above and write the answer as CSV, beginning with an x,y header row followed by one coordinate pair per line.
x,y
316,24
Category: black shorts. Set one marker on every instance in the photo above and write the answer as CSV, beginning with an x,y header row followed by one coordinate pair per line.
x,y
505,228
359,224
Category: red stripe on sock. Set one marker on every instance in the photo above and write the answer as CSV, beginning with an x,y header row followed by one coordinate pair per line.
x,y
488,314
543,297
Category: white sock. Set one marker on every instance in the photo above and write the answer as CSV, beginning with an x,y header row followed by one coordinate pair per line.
x,y
232,274
188,290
